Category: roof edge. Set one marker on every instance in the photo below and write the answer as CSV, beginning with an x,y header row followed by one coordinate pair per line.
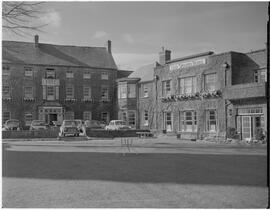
x,y
191,56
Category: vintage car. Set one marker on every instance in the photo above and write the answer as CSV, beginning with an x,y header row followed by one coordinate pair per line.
x,y
38,125
117,125
12,125
69,127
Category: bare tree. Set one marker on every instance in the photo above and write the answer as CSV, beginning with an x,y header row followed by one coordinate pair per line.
x,y
21,17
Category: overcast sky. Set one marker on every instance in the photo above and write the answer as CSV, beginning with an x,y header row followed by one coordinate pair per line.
x,y
138,30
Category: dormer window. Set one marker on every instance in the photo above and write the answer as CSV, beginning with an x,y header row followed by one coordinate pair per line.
x,y
69,74
50,73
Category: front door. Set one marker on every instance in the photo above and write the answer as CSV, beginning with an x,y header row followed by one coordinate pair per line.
x,y
168,121
246,127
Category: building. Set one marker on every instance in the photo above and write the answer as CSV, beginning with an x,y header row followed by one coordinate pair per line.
x,y
200,96
56,82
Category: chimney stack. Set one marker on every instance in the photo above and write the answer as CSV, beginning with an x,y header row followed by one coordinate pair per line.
x,y
110,46
36,40
164,56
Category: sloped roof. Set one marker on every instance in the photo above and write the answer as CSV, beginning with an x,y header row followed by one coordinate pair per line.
x,y
146,73
48,54
259,57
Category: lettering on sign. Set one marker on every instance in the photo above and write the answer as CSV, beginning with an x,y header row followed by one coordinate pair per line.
x,y
181,65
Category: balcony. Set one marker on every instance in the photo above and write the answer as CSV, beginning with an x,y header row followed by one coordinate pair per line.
x,y
51,82
244,91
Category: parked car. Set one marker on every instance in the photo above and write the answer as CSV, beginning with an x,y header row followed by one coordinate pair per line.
x,y
69,127
117,125
12,125
93,124
38,125
81,126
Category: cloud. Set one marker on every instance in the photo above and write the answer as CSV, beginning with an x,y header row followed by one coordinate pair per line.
x,y
52,18
100,34
128,38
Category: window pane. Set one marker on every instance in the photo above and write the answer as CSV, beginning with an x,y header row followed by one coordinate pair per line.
x,y
86,92
131,118
28,72
69,92
210,82
87,75
87,115
104,93
28,119
28,92
104,75
131,90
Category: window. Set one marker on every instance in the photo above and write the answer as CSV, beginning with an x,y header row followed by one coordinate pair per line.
x,y
28,119
105,93
168,121
69,74
210,82
211,121
69,115
249,111
122,90
187,85
6,91
87,75
131,118
28,72
124,116
166,88
87,115
28,92
104,75
50,73
188,121
69,92
144,90
260,76
105,117
131,90
145,117
86,92
6,116
5,70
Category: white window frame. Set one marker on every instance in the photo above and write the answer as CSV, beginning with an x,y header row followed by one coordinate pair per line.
x,y
29,94
146,118
260,75
87,89
69,74
183,121
166,88
131,120
28,71
131,90
5,70
87,115
208,121
122,90
206,83
105,94
50,73
71,89
28,121
104,75
87,75
182,85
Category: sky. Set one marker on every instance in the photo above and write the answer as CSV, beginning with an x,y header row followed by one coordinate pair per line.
x,y
138,30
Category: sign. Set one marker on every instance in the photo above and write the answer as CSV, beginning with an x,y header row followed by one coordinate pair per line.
x,y
182,64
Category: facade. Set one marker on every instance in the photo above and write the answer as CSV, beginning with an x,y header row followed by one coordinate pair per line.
x,y
205,95
54,82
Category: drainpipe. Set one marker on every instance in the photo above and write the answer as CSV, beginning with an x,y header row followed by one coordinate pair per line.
x,y
156,80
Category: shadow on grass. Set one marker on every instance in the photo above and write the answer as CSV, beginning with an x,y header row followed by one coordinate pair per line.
x,y
211,169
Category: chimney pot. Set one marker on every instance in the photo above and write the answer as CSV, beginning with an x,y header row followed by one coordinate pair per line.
x,y
36,40
164,56
110,46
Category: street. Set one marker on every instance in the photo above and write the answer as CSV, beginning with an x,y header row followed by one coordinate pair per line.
x,y
163,174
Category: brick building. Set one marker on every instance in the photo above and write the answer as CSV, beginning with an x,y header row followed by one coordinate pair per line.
x,y
202,96
55,82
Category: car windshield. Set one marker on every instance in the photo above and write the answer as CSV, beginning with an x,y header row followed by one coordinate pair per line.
x,y
38,123
120,123
70,123
13,122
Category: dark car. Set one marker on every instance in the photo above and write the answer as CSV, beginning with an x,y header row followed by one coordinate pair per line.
x,y
69,127
95,124
12,125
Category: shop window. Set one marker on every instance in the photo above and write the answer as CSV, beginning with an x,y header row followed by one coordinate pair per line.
x,y
145,117
50,73
188,121
69,115
105,117
87,75
6,116
69,74
28,71
87,92
210,82
260,76
104,75
6,91
104,93
122,90
28,119
28,92
211,120
131,90
166,88
87,115
187,85
5,70
70,92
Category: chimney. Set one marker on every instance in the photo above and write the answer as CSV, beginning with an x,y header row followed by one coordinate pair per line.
x,y
36,40
110,46
164,56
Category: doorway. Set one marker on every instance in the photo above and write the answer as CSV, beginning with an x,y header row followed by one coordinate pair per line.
x,y
49,118
168,121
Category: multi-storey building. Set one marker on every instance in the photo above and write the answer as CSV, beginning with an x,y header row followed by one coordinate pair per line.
x,y
55,82
203,95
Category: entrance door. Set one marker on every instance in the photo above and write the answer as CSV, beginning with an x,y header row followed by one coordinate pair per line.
x,y
52,117
246,127
168,121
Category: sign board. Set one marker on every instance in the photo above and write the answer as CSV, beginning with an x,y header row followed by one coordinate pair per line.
x,y
186,64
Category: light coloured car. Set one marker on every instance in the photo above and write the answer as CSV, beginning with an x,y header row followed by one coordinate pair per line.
x,y
69,127
12,124
117,125
38,125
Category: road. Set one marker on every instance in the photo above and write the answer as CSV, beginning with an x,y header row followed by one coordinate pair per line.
x,y
163,174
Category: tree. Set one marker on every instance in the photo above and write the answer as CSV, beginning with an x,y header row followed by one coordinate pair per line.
x,y
20,17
